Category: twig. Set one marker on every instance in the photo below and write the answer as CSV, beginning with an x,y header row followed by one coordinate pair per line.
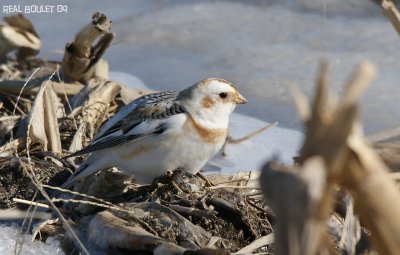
x,y
102,203
391,12
223,204
213,240
27,202
18,242
30,173
86,202
255,194
233,187
113,208
66,97
193,211
99,201
230,181
209,183
260,242
18,98
14,87
16,107
252,202
231,140
177,187
9,94
23,87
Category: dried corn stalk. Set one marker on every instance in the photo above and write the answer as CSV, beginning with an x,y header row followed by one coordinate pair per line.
x,y
295,196
391,12
15,86
333,134
92,102
82,60
41,126
19,34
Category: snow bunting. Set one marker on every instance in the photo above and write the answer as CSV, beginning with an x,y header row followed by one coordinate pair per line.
x,y
163,131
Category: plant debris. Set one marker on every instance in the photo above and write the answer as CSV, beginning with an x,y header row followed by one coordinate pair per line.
x,y
312,207
46,115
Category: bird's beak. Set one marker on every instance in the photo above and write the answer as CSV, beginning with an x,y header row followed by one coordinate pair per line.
x,y
239,99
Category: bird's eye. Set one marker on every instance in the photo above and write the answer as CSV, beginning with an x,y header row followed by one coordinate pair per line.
x,y
223,95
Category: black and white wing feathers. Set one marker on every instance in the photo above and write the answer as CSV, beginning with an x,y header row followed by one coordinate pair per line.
x,y
140,118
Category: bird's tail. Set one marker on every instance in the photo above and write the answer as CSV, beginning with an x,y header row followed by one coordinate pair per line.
x,y
90,166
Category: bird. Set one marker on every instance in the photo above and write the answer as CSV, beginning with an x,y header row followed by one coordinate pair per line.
x,y
162,132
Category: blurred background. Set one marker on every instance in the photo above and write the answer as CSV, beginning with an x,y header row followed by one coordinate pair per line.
x,y
261,46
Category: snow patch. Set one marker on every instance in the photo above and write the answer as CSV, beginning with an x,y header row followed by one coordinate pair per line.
x,y
10,234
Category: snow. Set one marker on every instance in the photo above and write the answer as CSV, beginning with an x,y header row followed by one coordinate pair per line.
x,y
263,47
127,79
276,142
10,234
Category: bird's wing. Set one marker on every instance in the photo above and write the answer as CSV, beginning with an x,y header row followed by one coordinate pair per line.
x,y
142,117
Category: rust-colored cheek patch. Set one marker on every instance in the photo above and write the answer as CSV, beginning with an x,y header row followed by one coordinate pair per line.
x,y
207,102
209,135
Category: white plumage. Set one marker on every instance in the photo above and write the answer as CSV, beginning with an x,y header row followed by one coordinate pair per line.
x,y
163,131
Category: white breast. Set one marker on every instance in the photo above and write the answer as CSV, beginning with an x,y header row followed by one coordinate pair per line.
x,y
178,147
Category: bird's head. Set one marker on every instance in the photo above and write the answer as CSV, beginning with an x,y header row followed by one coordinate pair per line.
x,y
211,100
